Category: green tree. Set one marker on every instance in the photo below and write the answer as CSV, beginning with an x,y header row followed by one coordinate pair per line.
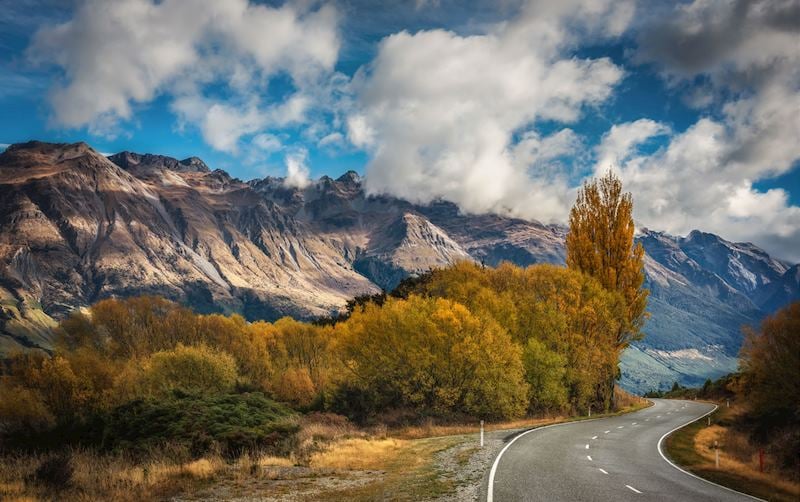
x,y
546,373
770,362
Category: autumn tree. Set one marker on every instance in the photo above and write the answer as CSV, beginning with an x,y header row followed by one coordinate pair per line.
x,y
600,243
570,313
434,356
189,369
770,364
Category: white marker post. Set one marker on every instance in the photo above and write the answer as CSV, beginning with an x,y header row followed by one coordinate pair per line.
x,y
716,453
481,433
709,420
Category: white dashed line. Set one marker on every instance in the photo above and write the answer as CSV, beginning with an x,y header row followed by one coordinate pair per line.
x,y
658,416
606,432
633,489
646,419
633,423
601,470
594,437
587,446
621,427
589,457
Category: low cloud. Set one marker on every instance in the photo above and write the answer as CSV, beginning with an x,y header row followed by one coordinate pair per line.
x,y
439,111
297,172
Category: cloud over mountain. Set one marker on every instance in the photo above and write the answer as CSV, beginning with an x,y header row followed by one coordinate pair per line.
x,y
502,113
439,111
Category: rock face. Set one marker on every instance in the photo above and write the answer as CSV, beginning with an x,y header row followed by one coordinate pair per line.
x,y
76,227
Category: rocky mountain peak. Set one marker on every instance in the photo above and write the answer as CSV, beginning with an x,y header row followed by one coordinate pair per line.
x,y
131,161
40,151
76,227
350,177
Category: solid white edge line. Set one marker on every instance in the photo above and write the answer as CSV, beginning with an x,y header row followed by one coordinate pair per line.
x,y
493,471
632,488
661,452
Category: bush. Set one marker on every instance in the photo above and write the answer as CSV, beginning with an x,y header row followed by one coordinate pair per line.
x,y
55,472
191,370
229,423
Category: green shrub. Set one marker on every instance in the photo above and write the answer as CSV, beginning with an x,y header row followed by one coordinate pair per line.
x,y
228,423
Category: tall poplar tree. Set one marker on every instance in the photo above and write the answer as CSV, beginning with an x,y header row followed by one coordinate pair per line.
x,y
600,243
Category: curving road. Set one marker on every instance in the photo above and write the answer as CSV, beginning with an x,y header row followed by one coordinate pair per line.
x,y
613,459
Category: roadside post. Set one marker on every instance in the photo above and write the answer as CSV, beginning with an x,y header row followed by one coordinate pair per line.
x,y
481,433
716,453
761,460
709,420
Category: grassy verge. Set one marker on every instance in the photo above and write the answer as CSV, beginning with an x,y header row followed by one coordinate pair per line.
x,y
692,448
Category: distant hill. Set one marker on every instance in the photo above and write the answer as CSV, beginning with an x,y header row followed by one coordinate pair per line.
x,y
76,227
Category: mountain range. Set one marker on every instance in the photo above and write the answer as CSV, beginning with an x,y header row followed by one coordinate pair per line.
x,y
77,226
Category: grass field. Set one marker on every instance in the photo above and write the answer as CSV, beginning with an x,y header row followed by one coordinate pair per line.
x,y
692,447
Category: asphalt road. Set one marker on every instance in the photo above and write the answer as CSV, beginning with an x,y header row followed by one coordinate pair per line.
x,y
610,459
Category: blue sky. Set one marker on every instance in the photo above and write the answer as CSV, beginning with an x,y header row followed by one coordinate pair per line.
x,y
498,106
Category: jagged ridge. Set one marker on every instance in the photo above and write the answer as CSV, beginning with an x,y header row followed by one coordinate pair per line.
x,y
77,227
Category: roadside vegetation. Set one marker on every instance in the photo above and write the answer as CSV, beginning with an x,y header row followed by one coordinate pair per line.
x,y
159,394
758,420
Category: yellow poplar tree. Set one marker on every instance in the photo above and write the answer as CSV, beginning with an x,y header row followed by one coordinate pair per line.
x,y
600,244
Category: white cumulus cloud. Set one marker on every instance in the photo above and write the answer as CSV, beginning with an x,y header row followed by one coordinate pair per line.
x,y
438,111
120,54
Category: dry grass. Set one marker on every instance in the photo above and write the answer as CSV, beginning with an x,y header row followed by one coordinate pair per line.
x,y
358,454
112,477
430,430
693,447
626,400
740,457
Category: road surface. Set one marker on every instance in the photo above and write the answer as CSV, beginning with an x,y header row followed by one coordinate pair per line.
x,y
610,459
